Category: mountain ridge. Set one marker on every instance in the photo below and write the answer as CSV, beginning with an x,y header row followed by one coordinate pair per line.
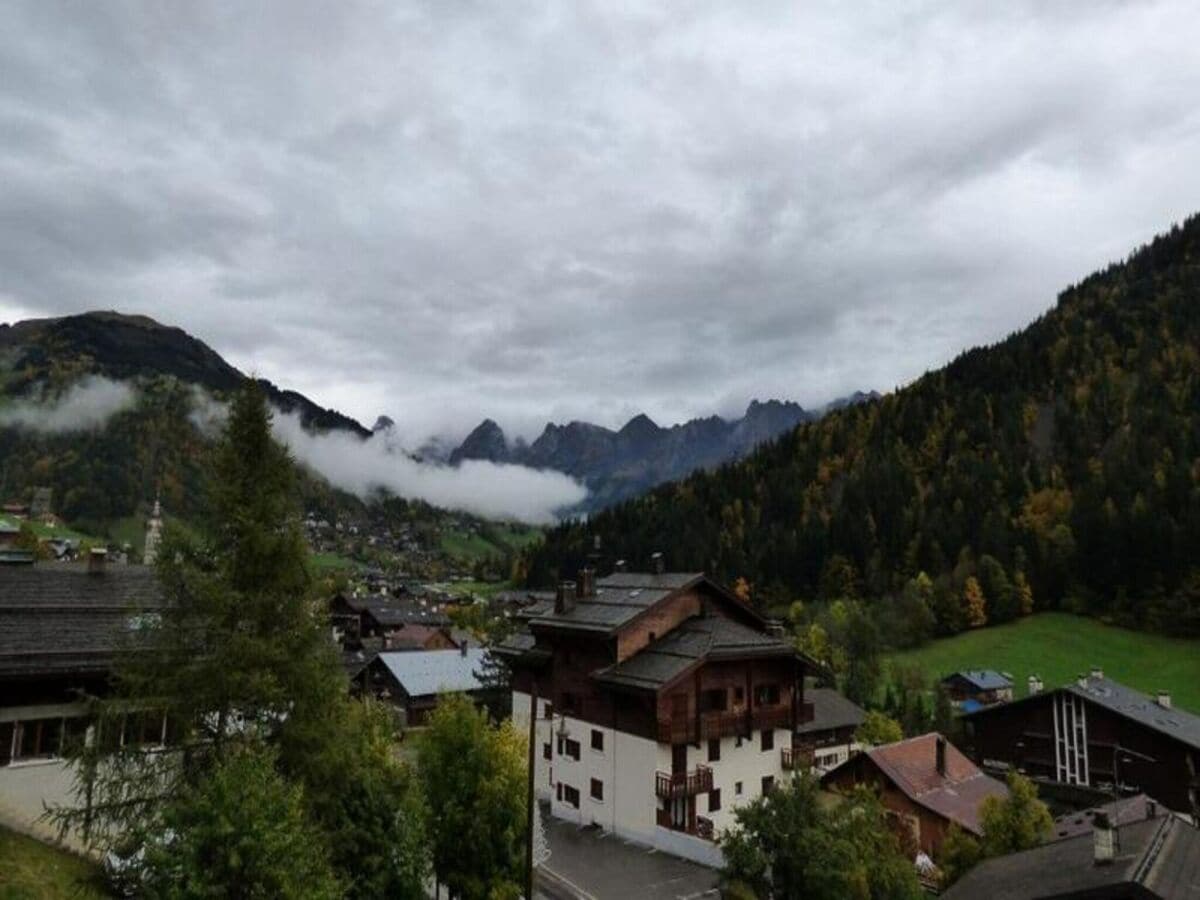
x,y
619,463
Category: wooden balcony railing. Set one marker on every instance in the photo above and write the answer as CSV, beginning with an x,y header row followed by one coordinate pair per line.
x,y
729,723
683,784
772,717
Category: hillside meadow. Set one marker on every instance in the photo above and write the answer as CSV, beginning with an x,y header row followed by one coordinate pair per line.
x,y
1058,647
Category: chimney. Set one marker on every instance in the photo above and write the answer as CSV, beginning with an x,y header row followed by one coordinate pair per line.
x,y
564,600
587,582
1035,685
1097,672
1081,680
1163,699
1151,809
1102,840
657,563
462,648
97,558
620,566
941,755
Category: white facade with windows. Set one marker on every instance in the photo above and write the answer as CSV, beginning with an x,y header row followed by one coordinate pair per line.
x,y
599,776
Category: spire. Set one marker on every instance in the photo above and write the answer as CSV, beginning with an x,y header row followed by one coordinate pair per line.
x,y
153,533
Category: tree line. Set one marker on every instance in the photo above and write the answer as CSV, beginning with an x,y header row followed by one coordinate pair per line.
x,y
274,781
1057,469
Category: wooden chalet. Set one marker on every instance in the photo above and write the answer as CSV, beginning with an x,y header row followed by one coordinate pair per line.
x,y
663,702
1094,733
926,785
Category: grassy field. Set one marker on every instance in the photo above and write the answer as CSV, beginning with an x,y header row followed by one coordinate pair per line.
x,y
473,588
31,870
324,562
1058,646
494,540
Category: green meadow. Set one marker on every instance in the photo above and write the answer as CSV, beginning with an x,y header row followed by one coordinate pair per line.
x,y
1058,647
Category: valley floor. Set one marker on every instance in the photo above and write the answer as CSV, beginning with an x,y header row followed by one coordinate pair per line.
x,y
1059,646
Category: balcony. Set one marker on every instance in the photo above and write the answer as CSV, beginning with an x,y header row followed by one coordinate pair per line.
x,y
683,784
727,723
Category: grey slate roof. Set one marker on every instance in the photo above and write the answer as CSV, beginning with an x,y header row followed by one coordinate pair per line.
x,y
830,710
425,672
702,637
1140,708
619,598
983,679
393,612
1157,858
58,619
1125,701
1124,811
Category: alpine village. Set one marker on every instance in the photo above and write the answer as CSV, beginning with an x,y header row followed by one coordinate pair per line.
x,y
938,639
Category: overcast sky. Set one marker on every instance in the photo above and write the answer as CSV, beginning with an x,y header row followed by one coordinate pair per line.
x,y
448,210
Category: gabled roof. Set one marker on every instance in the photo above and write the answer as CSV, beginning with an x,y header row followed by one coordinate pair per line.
x,y
58,619
698,638
1124,701
414,636
982,679
1140,708
1124,811
622,597
393,612
1156,858
911,765
425,672
830,710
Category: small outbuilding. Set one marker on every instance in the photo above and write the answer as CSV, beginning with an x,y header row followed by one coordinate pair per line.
x,y
413,680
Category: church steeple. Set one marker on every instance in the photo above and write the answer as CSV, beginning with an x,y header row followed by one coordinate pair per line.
x,y
153,534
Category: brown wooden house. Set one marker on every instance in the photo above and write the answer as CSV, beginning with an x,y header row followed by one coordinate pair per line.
x,y
926,785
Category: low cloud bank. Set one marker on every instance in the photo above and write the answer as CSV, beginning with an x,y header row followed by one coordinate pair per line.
x,y
87,404
486,489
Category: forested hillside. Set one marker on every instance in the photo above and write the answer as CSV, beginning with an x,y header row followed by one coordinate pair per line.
x,y
1058,468
110,471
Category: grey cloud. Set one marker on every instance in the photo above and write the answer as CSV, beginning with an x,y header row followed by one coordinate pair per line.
x,y
86,405
450,210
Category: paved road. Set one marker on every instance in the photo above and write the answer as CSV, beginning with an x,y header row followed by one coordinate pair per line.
x,y
604,867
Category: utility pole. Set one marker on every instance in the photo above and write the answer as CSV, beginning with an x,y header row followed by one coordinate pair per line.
x,y
529,796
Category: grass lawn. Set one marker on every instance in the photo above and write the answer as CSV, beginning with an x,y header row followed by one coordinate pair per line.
x,y
474,588
324,562
31,870
492,540
1059,646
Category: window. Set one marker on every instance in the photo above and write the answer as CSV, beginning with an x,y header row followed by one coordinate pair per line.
x,y
570,796
37,739
572,749
768,784
561,745
714,749
714,800
737,788
597,740
546,750
598,790
715,700
766,695
768,739
739,696
548,710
